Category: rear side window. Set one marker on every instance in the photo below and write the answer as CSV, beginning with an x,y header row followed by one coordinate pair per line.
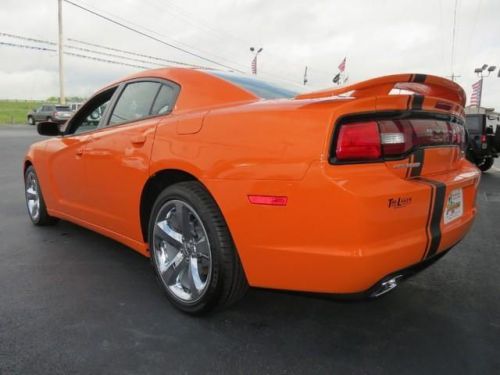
x,y
63,108
164,100
262,89
135,102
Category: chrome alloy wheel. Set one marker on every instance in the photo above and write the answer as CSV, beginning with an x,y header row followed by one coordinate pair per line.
x,y
182,251
32,196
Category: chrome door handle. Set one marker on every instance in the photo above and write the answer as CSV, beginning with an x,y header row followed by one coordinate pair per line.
x,y
79,151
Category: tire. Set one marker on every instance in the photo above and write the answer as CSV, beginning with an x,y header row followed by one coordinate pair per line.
x,y
31,120
485,164
37,210
193,256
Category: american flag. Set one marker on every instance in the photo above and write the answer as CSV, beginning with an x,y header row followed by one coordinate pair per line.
x,y
475,98
342,65
254,65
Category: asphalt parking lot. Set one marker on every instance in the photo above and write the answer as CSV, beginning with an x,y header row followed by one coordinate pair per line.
x,y
72,301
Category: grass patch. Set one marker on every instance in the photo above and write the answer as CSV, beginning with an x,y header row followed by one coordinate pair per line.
x,y
15,111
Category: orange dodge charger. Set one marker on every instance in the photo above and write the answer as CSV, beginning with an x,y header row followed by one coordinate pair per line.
x,y
227,181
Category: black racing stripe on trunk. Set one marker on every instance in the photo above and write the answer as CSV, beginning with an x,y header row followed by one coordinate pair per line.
x,y
408,102
437,213
418,158
408,170
416,103
429,215
419,78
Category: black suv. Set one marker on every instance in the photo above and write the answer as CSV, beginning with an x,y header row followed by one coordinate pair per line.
x,y
483,140
50,112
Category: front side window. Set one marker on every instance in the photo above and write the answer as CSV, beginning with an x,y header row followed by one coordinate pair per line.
x,y
88,117
135,102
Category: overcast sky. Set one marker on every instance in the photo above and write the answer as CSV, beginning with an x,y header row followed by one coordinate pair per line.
x,y
377,37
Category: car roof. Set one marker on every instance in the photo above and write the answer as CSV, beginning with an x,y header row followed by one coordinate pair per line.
x,y
199,89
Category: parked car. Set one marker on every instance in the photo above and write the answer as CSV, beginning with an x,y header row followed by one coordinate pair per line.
x,y
74,106
484,138
227,181
49,112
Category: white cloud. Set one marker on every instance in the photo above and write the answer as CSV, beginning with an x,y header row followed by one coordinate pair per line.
x,y
378,37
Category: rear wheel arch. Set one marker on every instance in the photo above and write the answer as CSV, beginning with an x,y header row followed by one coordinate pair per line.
x,y
154,186
27,164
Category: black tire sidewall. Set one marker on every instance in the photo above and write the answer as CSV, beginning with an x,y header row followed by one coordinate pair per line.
x,y
31,170
487,164
214,289
43,218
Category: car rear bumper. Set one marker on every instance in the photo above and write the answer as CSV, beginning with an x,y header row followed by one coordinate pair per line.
x,y
338,233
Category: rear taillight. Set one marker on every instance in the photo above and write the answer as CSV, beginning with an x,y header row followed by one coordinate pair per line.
x,y
372,140
359,141
483,138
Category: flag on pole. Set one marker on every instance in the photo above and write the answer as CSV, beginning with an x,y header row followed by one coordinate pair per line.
x,y
475,98
342,65
341,77
254,65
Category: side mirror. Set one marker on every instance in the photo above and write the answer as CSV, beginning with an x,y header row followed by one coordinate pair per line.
x,y
34,110
48,128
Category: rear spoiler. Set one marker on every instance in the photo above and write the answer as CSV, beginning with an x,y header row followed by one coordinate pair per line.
x,y
421,84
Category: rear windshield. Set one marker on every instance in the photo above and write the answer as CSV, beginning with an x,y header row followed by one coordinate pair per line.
x,y
474,123
262,89
62,108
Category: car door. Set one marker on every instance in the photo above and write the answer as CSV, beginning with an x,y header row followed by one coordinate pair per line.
x,y
118,155
65,159
40,114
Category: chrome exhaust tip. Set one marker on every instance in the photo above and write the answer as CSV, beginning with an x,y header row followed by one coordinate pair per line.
x,y
386,286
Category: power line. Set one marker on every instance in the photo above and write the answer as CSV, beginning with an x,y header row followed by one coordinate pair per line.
x,y
106,60
135,53
177,11
150,36
111,55
27,47
27,39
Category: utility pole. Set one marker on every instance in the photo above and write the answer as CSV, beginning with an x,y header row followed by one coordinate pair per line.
x,y
305,76
62,98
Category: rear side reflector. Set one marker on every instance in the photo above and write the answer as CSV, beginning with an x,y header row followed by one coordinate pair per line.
x,y
269,200
359,141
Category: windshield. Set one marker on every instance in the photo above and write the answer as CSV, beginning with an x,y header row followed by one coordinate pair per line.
x,y
262,89
63,108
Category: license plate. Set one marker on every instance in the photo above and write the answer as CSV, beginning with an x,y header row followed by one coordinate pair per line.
x,y
454,207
